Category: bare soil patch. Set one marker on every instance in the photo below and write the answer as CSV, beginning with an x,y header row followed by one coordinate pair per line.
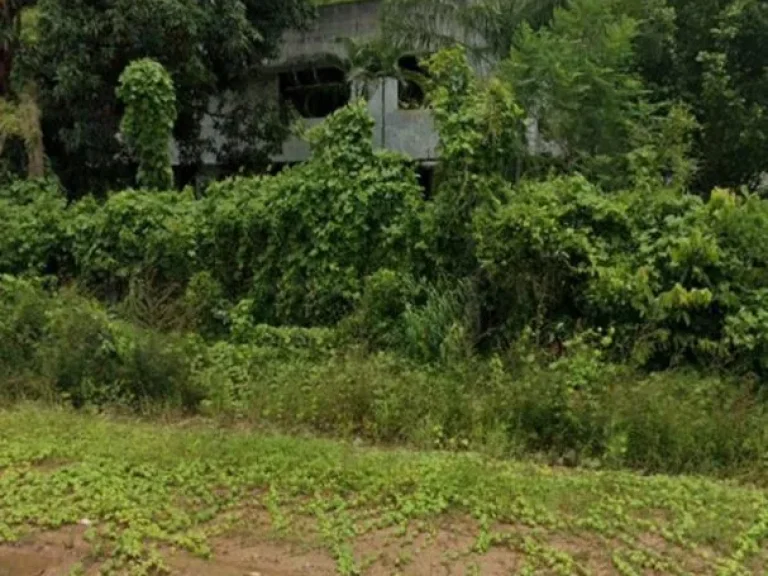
x,y
446,547
45,554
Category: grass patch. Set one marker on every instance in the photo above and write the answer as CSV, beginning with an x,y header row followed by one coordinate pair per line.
x,y
147,488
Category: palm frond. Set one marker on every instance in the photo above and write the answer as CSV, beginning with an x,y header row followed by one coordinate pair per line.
x,y
486,28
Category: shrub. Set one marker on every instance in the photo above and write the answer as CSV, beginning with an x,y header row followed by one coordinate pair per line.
x,y
205,306
688,422
135,233
90,359
571,405
306,239
83,355
378,316
560,402
33,235
23,308
481,143
679,279
243,330
540,246
441,327
234,233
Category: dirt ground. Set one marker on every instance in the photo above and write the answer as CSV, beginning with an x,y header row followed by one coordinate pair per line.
x,y
447,549
439,553
47,554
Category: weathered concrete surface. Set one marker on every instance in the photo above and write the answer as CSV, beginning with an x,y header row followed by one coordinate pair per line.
x,y
348,20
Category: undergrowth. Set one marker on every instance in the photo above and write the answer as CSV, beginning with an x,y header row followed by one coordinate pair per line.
x,y
573,406
145,487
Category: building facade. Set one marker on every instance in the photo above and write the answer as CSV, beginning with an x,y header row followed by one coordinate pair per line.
x,y
308,76
402,122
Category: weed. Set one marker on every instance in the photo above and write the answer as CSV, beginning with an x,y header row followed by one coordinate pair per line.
x,y
144,487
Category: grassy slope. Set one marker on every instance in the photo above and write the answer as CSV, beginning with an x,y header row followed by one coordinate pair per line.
x,y
149,487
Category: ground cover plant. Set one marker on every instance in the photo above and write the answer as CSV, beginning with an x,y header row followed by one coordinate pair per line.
x,y
146,498
571,301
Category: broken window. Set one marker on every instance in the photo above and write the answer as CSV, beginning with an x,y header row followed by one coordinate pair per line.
x,y
410,93
314,92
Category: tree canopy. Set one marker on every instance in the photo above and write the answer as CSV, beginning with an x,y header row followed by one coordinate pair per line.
x,y
84,45
707,55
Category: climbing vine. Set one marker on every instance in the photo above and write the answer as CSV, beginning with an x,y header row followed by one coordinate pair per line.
x,y
147,91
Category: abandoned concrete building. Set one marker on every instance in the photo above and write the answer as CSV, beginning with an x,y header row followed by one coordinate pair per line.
x,y
315,89
306,75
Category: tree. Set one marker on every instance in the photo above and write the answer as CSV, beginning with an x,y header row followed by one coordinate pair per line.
x,y
718,63
19,110
371,62
84,45
11,12
711,55
21,120
577,79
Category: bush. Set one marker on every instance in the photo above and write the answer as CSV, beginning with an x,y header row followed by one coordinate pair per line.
x,y
541,245
571,405
378,316
147,91
679,279
92,360
23,308
243,330
687,422
83,355
299,244
442,326
303,242
576,409
135,233
33,234
561,402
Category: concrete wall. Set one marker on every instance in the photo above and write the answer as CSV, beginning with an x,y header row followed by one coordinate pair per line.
x,y
407,131
347,20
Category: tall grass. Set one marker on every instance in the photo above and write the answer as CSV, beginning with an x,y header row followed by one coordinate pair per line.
x,y
573,407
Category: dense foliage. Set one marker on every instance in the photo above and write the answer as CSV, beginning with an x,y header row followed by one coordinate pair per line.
x,y
712,55
708,55
300,244
147,92
563,270
81,48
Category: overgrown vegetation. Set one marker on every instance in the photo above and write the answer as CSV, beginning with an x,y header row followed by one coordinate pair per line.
x,y
140,491
584,284
575,287
147,92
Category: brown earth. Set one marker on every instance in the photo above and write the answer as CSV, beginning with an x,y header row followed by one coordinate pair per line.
x,y
46,554
443,548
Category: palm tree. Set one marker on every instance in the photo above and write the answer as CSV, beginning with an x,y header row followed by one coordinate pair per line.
x,y
372,61
485,27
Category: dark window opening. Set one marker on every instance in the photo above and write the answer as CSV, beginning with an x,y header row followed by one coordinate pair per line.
x,y
314,92
410,94
278,167
425,174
